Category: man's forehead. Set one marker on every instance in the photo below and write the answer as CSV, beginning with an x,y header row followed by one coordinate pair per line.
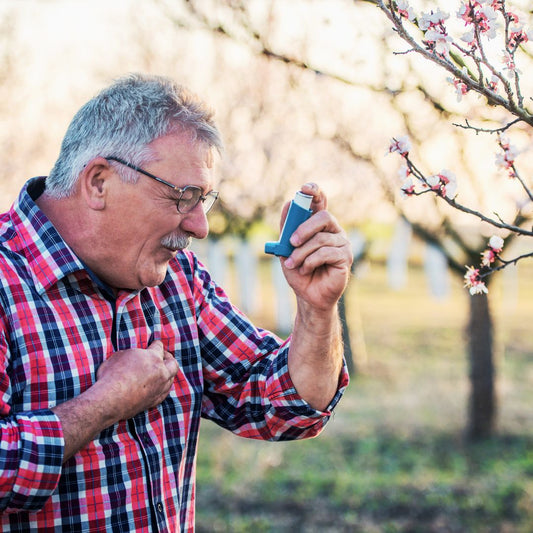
x,y
183,143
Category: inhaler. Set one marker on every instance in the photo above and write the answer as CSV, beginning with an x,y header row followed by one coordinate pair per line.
x,y
298,212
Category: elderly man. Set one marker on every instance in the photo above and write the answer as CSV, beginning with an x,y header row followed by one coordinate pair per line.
x,y
114,340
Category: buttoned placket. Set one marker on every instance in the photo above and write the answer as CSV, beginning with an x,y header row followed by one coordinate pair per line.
x,y
124,338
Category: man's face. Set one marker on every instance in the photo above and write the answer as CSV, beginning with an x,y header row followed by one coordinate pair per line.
x,y
145,227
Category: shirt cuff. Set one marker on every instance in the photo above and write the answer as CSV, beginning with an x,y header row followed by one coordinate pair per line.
x,y
282,392
33,453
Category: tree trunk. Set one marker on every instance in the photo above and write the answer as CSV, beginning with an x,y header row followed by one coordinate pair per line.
x,y
482,403
348,354
355,319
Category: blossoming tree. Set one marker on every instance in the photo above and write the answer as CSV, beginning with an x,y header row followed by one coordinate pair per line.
x,y
465,47
472,69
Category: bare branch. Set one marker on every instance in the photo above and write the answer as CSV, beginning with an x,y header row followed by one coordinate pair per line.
x,y
468,126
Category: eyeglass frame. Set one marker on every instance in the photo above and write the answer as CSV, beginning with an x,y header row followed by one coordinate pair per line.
x,y
180,190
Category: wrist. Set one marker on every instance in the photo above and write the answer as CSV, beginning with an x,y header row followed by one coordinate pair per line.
x,y
317,322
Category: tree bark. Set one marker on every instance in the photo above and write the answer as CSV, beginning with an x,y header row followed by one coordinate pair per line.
x,y
482,402
348,354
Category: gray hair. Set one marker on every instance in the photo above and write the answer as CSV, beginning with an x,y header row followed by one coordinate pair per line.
x,y
122,120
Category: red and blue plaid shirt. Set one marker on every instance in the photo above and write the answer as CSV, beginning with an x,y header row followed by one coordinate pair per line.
x,y
57,325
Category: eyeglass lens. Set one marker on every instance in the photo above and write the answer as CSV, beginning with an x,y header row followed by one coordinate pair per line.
x,y
191,195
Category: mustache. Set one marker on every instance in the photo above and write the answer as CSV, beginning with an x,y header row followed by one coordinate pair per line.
x,y
176,242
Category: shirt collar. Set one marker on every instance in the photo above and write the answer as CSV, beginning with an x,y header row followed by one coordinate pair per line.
x,y
48,255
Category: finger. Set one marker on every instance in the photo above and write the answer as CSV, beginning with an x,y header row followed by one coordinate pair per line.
x,y
320,201
320,222
325,256
321,241
171,365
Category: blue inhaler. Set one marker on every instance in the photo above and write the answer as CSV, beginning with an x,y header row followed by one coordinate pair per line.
x,y
298,212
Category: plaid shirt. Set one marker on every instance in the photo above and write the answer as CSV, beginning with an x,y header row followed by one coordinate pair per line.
x,y
57,325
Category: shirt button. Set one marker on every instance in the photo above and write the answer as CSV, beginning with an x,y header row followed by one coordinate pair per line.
x,y
160,507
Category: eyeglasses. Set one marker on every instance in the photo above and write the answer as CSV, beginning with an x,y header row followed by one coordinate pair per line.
x,y
189,196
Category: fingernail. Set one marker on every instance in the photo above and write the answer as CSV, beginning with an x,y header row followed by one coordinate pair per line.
x,y
289,263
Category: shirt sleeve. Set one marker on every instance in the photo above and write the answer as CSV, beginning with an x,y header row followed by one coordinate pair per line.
x,y
248,389
31,450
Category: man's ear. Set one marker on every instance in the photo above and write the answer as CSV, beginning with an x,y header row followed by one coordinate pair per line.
x,y
94,182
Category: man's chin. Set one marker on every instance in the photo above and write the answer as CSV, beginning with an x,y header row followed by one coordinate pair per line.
x,y
158,274
154,281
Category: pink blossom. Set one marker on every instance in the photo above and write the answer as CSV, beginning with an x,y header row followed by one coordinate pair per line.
x,y
473,281
469,37
408,187
404,10
495,246
432,20
404,172
482,16
464,13
444,183
491,253
433,182
461,88
493,83
513,17
517,34
402,145
438,41
436,37
450,190
507,158
504,141
496,243
487,21
509,64
487,257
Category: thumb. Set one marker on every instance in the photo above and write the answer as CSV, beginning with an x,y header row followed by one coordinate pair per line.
x,y
156,347
170,362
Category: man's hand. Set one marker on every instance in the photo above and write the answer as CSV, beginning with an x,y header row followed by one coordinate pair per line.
x,y
137,379
129,382
319,267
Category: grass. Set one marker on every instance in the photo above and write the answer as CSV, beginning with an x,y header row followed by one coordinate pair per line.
x,y
393,458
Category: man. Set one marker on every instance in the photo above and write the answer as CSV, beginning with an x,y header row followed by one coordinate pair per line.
x,y
114,340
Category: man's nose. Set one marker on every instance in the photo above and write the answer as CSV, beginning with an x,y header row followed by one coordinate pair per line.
x,y
195,222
